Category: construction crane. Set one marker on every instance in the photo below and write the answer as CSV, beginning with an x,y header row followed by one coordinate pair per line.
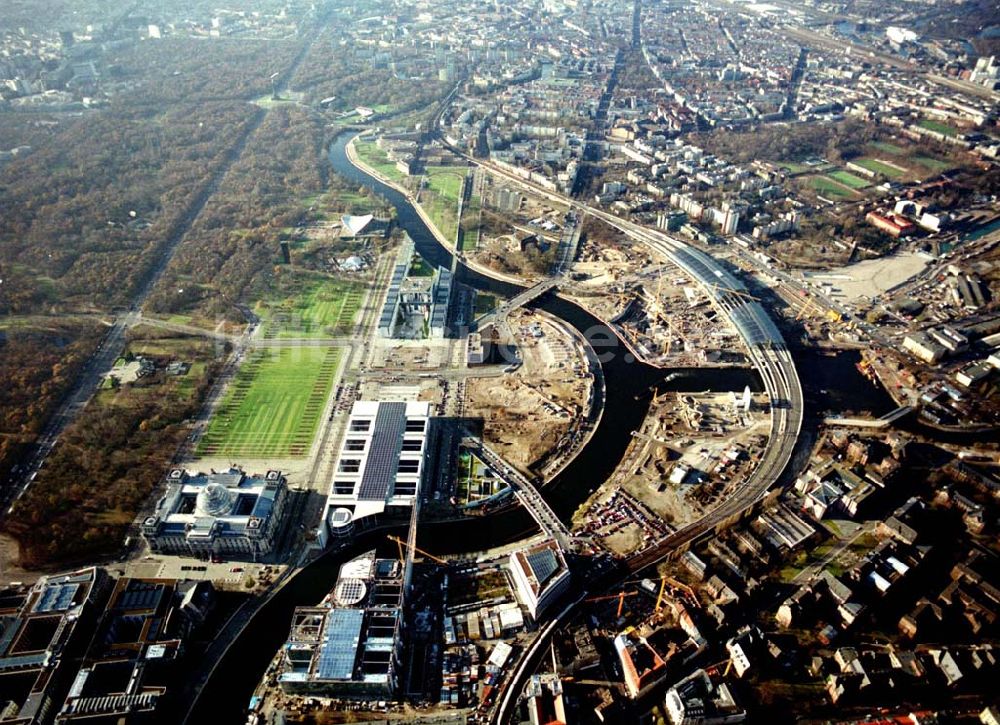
x,y
714,668
620,597
686,591
400,543
808,306
658,397
716,287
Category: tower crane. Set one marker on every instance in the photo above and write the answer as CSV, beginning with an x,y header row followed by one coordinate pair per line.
x,y
620,597
716,287
400,543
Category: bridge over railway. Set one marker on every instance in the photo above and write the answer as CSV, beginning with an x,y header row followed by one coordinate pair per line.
x,y
526,493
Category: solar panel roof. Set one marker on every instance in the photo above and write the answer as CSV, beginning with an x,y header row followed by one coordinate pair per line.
x,y
543,565
141,595
56,597
340,646
383,456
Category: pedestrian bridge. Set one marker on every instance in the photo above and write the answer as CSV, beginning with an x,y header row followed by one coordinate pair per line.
x,y
883,422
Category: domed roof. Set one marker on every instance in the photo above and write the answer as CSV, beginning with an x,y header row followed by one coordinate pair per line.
x,y
350,592
214,500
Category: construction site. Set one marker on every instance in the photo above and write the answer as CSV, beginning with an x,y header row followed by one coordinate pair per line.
x,y
654,306
690,452
536,413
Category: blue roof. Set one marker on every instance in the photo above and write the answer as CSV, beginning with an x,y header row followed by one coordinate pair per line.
x,y
56,598
341,637
543,565
382,464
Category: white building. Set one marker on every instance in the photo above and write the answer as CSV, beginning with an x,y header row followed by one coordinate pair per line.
x,y
227,513
696,700
540,576
380,464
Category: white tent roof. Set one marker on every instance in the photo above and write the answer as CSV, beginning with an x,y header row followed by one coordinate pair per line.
x,y
356,224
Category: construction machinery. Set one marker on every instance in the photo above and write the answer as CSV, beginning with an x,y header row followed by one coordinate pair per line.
x,y
401,544
620,596
713,669
716,287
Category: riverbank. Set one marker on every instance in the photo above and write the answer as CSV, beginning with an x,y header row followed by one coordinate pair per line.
x,y
352,156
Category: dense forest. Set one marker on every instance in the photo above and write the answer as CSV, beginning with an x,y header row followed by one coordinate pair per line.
x,y
354,78
18,129
84,215
108,463
789,142
235,239
37,366
184,70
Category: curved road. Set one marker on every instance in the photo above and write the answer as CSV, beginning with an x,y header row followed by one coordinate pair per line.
x,y
770,356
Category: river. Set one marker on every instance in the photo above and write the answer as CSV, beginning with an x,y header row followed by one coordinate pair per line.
x,y
629,384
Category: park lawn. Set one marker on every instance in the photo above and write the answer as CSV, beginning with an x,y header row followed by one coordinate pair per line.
x,y
848,179
443,212
485,303
446,180
830,189
471,223
440,197
879,167
889,148
376,158
794,167
273,406
312,307
932,125
933,164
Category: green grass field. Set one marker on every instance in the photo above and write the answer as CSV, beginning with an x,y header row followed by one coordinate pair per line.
x,y
273,406
793,167
937,126
446,180
933,164
312,307
829,189
440,197
889,148
471,223
377,159
879,167
848,179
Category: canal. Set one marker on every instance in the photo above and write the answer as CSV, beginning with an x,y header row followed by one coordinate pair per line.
x,y
628,386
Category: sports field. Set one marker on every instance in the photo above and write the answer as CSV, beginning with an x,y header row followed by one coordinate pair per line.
x,y
829,189
314,307
937,126
879,167
273,406
889,148
794,167
932,163
855,182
